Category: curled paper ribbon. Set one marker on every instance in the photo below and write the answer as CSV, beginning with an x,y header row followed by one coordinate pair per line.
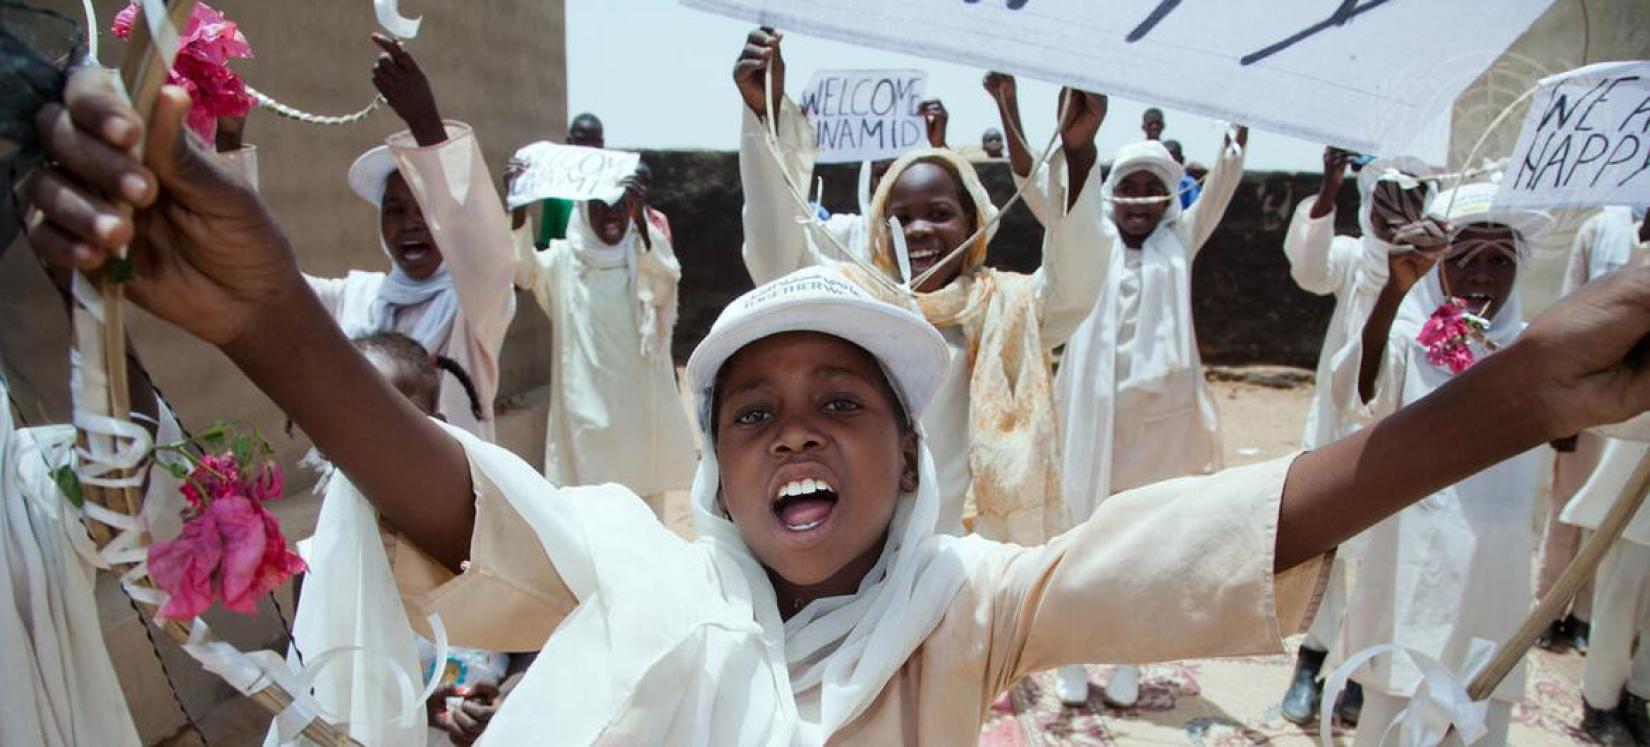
x,y
389,16
1440,701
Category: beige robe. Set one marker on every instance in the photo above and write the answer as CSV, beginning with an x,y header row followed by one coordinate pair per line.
x,y
615,415
467,220
1177,570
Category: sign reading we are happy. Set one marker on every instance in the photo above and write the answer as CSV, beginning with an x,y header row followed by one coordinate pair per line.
x,y
1585,141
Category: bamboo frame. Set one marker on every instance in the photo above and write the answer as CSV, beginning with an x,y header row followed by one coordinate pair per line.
x,y
144,73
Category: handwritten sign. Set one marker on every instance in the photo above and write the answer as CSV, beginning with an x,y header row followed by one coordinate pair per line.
x,y
1585,141
1368,75
571,172
865,115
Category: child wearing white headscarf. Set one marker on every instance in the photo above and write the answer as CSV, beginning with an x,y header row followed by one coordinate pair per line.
x,y
1133,406
1354,270
615,413
650,639
463,310
1448,576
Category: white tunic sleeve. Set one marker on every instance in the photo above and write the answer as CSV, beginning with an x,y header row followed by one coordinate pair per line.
x,y
775,243
1310,247
1176,570
1076,253
1201,219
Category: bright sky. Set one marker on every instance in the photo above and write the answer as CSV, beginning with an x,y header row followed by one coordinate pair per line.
x,y
661,76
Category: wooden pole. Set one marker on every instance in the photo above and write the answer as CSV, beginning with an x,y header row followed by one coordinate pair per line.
x,y
1579,570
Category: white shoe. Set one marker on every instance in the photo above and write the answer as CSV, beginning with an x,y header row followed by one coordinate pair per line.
x,y
1071,683
1123,691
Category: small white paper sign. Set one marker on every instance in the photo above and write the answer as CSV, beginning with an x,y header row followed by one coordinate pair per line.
x,y
1585,142
570,172
865,115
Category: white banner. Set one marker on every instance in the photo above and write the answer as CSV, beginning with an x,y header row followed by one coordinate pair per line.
x,y
1585,141
571,172
1368,75
865,115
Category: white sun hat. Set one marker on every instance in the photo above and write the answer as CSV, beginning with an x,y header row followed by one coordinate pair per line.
x,y
369,172
822,299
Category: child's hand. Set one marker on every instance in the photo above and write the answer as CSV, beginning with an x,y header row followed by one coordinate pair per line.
x,y
1587,356
1334,164
1430,239
751,70
465,725
935,118
207,255
1001,86
397,76
1084,112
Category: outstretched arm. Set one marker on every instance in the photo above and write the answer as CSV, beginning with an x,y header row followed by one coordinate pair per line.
x,y
1310,242
1579,364
209,258
1005,91
775,242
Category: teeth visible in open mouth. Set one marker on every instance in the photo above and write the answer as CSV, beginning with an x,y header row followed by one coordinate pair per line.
x,y
804,527
925,254
805,486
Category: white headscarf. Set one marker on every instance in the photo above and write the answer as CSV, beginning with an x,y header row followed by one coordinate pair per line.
x,y
367,177
1403,170
655,296
689,647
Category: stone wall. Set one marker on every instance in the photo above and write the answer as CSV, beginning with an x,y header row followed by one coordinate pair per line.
x,y
1247,309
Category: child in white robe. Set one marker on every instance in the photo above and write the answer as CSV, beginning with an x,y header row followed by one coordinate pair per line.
x,y
446,235
1133,406
1449,576
993,418
1354,270
609,289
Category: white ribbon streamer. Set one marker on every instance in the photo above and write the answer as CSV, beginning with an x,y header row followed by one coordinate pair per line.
x,y
389,16
1440,699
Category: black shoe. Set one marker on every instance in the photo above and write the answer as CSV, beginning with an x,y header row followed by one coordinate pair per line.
x,y
1606,727
1579,631
1556,638
1636,715
1351,703
1300,704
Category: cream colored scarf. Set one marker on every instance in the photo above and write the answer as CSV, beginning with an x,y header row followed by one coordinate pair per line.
x,y
1014,491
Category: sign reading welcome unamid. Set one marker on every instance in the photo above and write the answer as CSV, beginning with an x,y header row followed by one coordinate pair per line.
x,y
865,115
1369,75
569,172
1585,141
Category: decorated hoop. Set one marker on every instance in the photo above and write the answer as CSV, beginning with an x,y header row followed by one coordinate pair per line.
x,y
114,454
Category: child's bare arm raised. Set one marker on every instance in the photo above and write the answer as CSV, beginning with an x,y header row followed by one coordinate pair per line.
x,y
210,259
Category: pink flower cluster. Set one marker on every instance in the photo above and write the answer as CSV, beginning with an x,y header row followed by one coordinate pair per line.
x,y
202,66
231,547
1445,336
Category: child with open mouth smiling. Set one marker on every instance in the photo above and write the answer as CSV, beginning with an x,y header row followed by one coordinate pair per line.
x,y
818,605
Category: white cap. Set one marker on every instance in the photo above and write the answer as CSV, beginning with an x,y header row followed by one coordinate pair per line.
x,y
822,299
1475,203
369,172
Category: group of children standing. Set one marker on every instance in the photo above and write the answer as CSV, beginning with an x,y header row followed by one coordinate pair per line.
x,y
889,535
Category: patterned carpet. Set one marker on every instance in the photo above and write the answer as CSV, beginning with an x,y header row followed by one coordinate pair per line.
x,y
1233,702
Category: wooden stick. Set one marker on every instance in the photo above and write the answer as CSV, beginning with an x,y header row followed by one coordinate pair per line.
x,y
1579,570
144,73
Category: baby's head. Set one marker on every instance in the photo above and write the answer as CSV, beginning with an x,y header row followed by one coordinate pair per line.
x,y
414,372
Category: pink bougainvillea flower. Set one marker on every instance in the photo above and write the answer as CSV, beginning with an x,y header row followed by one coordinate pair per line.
x,y
202,66
212,476
1445,336
280,562
268,485
186,567
240,523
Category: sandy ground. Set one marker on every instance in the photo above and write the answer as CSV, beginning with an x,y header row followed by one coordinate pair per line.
x,y
1262,412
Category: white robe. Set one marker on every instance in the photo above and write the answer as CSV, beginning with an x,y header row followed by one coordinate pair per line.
x,y
61,686
1456,565
615,414
467,220
1125,421
776,245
